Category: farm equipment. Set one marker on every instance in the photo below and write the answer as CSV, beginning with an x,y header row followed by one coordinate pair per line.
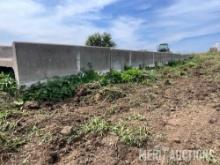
x,y
163,48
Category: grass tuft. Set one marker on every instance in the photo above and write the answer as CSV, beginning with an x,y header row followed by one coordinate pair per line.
x,y
128,135
96,126
8,84
9,143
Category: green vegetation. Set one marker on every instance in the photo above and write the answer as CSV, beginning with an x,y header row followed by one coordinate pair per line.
x,y
8,140
136,117
46,137
9,143
14,133
132,75
131,135
8,83
128,135
57,89
96,126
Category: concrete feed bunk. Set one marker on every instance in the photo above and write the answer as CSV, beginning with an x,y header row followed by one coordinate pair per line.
x,y
33,62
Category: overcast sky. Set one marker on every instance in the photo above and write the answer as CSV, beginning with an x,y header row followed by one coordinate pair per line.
x,y
187,25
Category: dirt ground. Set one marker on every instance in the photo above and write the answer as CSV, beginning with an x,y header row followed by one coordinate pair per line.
x,y
182,113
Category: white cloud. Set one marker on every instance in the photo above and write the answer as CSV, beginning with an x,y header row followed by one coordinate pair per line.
x,y
71,21
186,19
31,21
73,7
191,6
125,30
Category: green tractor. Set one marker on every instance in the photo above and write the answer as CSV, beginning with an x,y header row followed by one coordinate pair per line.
x,y
163,48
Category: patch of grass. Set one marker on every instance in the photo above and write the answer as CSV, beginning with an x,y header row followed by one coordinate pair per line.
x,y
8,143
46,137
96,126
9,139
136,117
7,125
175,63
182,68
150,76
8,84
112,110
5,114
131,75
112,77
128,135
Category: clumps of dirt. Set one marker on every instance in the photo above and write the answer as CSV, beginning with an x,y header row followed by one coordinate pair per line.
x,y
109,94
106,125
91,94
6,101
217,107
31,105
53,157
86,89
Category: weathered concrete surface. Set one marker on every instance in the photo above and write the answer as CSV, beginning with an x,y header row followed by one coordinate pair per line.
x,y
6,56
6,62
166,57
36,62
33,62
141,59
120,59
95,58
6,52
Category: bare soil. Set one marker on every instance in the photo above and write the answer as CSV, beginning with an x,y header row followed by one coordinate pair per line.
x,y
183,114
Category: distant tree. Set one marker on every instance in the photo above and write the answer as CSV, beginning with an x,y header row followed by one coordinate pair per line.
x,y
100,40
107,41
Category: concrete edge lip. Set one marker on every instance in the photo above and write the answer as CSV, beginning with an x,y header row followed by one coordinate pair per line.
x,y
33,62
6,62
6,56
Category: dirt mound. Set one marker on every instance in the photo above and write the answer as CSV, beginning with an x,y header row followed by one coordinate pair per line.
x,y
181,112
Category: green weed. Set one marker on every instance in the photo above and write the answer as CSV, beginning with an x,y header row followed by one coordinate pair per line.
x,y
112,110
8,84
7,125
8,143
57,89
112,77
132,75
127,135
46,137
136,117
131,135
96,126
5,114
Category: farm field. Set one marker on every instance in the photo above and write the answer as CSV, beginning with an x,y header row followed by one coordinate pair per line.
x,y
174,107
